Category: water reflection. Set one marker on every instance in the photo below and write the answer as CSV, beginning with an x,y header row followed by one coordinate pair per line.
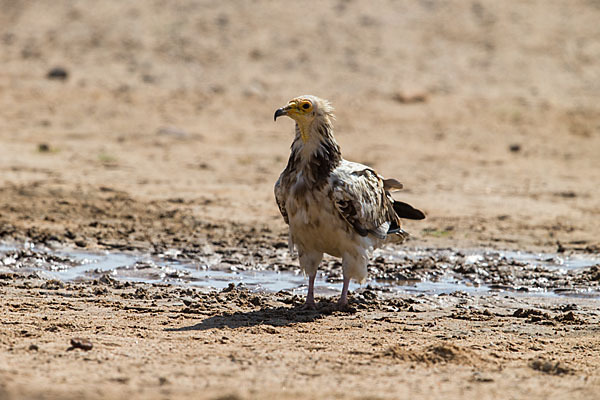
x,y
214,271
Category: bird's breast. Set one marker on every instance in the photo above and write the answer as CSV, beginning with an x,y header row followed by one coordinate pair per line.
x,y
315,224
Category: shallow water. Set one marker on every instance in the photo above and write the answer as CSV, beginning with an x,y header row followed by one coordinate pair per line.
x,y
437,270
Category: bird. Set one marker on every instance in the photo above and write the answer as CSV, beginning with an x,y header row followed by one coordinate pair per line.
x,y
331,205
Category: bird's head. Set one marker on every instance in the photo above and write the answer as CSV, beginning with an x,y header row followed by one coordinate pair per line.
x,y
309,112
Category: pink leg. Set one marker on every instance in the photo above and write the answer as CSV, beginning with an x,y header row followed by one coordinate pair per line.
x,y
343,301
310,297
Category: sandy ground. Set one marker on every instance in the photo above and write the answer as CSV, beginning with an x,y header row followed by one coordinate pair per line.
x,y
156,342
160,135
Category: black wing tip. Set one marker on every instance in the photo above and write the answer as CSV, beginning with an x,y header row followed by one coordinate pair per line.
x,y
404,210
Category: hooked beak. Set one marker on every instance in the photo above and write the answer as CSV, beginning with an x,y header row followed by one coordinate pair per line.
x,y
280,111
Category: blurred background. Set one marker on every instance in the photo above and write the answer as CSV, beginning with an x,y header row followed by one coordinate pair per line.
x,y
487,111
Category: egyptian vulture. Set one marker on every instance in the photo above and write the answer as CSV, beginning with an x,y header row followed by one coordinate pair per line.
x,y
331,205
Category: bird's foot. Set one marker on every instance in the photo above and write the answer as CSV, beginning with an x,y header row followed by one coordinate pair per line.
x,y
343,306
309,306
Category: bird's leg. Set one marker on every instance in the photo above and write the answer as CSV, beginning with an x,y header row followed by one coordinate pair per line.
x,y
343,301
309,262
310,297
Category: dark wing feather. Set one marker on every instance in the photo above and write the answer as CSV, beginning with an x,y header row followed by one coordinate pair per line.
x,y
360,198
404,210
280,199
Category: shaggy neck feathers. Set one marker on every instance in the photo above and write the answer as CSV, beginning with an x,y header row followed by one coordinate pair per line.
x,y
317,155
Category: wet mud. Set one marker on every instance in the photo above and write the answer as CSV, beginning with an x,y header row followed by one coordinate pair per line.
x,y
392,270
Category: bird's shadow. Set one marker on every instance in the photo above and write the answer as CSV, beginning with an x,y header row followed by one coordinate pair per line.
x,y
273,316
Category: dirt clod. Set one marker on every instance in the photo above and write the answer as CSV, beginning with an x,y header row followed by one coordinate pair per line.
x,y
550,367
80,343
435,354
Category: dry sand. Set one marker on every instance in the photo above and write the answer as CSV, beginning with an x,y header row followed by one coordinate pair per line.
x,y
161,136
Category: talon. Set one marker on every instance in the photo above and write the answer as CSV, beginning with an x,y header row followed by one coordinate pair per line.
x,y
344,307
309,305
341,305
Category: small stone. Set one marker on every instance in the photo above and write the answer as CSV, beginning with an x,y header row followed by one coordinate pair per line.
x,y
255,301
408,97
141,293
549,367
57,73
53,284
520,313
147,78
163,381
229,288
569,194
479,377
79,343
106,279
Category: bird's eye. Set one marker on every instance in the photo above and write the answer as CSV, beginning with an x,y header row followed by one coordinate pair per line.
x,y
306,106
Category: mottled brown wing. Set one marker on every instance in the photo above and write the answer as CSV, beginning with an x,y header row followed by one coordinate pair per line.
x,y
279,198
360,197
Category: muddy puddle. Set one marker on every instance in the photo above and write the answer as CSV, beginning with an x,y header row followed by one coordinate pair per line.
x,y
393,270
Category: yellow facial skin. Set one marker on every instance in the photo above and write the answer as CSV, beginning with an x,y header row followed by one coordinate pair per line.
x,y
298,109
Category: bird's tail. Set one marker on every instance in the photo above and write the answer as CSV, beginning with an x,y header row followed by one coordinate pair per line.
x,y
404,210
398,235
395,233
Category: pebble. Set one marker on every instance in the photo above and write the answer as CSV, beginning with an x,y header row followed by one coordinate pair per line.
x,y
410,97
58,73
79,343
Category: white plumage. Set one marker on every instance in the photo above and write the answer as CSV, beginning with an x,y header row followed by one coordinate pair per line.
x,y
333,206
